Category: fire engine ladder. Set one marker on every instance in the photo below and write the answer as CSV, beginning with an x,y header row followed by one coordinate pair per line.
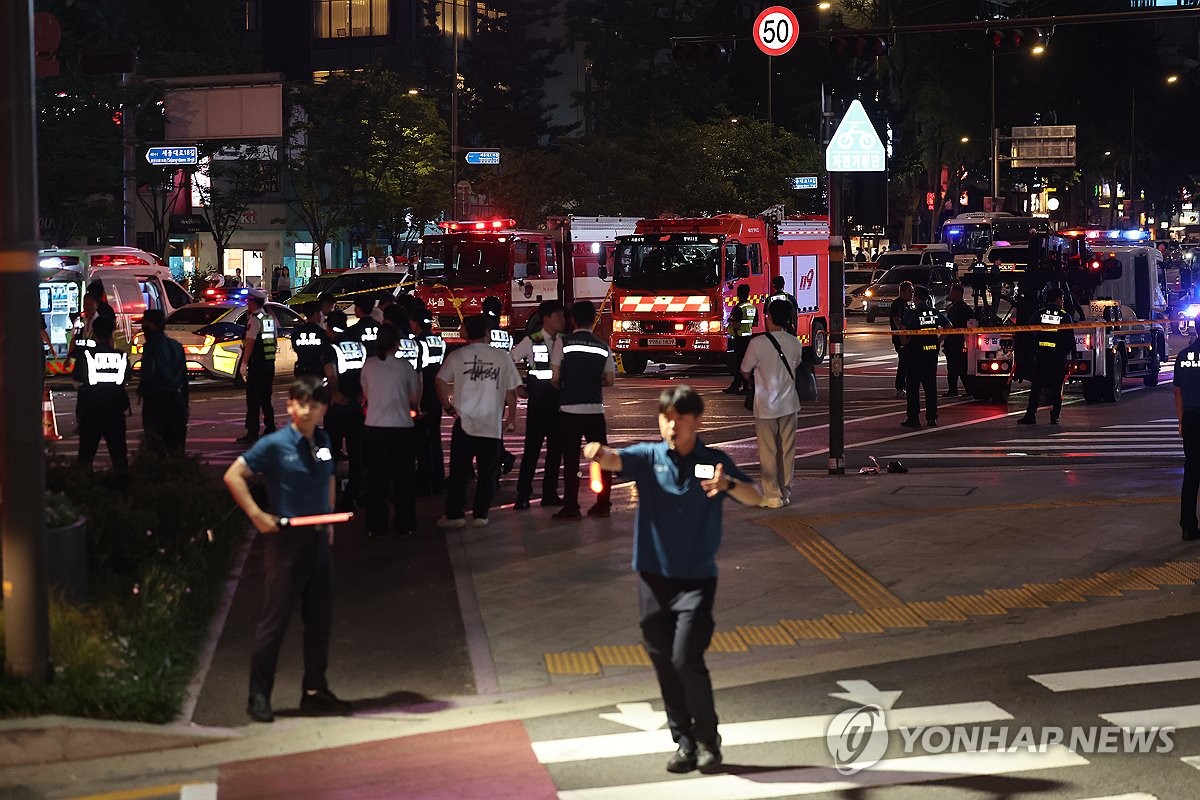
x,y
606,303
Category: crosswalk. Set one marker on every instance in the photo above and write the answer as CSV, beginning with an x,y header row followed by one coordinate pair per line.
x,y
1150,439
791,758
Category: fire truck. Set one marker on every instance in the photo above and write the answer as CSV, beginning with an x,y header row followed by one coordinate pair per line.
x,y
580,241
473,259
1111,281
675,283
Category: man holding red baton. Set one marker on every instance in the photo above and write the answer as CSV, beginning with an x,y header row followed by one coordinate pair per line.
x,y
298,469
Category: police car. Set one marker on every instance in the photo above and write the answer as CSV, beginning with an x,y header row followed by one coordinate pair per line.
x,y
211,334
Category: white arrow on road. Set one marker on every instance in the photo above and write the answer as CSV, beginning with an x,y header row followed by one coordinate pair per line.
x,y
637,715
864,693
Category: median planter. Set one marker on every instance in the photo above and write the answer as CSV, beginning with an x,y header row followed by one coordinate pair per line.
x,y
66,560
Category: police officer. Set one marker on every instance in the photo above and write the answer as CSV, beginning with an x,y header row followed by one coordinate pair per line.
x,y
900,306
365,329
344,359
100,372
920,358
309,340
257,368
1187,411
431,461
955,345
541,418
741,328
582,365
777,284
1053,350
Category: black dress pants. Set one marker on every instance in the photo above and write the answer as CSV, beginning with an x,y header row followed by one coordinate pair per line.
x,y
260,375
298,571
1191,471
1049,379
465,449
920,374
103,422
740,344
431,461
541,427
677,626
344,422
164,421
956,362
388,453
573,430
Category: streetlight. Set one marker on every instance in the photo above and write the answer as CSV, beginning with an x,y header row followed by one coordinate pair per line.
x,y
1172,78
1038,50
965,139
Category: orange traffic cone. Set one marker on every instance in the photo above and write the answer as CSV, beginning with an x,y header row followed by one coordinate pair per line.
x,y
49,423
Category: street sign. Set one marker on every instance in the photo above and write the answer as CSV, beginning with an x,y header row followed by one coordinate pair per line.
x,y
483,157
775,30
1043,146
805,182
172,156
855,146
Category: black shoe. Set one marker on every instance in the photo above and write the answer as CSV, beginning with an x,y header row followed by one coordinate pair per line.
x,y
600,511
552,502
1054,420
684,760
932,423
507,461
268,431
911,423
247,438
1191,536
726,390
949,394
403,532
521,504
258,707
323,703
1027,420
567,513
708,756
374,534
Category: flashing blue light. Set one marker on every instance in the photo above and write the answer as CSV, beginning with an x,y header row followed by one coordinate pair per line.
x,y
1137,235
953,231
1191,312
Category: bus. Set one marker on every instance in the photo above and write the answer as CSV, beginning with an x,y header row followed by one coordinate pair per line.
x,y
970,235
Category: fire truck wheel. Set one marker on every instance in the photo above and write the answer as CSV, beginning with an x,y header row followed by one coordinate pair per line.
x,y
820,343
632,364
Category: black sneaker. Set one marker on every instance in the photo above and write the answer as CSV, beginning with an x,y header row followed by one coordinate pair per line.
x,y
1191,536
521,504
552,502
911,423
1054,420
247,438
374,534
932,423
684,760
708,756
949,394
258,707
323,703
1027,421
599,511
567,513
507,462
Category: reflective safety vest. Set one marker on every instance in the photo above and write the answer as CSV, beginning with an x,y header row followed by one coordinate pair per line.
x,y
540,369
105,367
432,350
410,351
500,339
745,324
1051,316
264,343
350,356
926,319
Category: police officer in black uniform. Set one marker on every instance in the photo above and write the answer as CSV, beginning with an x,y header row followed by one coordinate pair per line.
x,y
257,368
1053,350
309,340
431,461
741,328
365,329
100,373
541,418
920,358
777,293
344,359
954,345
1187,411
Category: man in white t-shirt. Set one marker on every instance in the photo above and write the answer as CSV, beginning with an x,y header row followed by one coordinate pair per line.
x,y
483,402
775,401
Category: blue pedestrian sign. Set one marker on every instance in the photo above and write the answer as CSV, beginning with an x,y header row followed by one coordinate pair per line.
x,y
483,157
804,182
172,156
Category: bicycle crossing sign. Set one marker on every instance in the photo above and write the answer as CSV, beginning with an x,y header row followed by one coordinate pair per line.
x,y
855,146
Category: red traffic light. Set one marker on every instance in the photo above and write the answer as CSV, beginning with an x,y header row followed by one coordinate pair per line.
x,y
858,46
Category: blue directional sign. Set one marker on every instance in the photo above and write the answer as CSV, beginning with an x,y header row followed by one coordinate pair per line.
x,y
483,157
172,156
804,182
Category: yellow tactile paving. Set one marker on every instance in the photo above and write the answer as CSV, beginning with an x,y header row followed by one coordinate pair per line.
x,y
853,623
1015,598
1053,593
1091,587
975,604
765,635
926,511
809,629
1163,576
1127,581
167,790
728,642
937,611
898,617
572,664
1189,568
622,655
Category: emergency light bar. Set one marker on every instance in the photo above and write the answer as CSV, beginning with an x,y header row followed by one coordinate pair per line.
x,y
1118,235
477,225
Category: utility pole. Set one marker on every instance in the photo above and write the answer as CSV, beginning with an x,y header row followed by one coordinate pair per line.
x,y
22,451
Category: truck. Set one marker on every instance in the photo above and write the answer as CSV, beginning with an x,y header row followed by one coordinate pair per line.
x,y
1111,283
674,283
968,236
474,259
580,241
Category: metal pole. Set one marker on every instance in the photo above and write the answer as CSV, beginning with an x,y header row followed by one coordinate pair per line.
x,y
129,111
22,451
1130,196
770,101
837,325
995,138
454,122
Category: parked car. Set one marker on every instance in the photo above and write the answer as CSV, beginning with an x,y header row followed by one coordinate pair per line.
x,y
856,280
346,285
879,296
211,335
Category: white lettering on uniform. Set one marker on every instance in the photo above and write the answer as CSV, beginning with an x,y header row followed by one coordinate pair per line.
x,y
106,368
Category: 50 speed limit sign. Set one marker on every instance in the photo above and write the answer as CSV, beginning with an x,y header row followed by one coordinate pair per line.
x,y
775,30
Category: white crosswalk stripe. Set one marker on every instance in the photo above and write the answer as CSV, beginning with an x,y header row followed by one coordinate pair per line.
x,y
1118,676
1154,438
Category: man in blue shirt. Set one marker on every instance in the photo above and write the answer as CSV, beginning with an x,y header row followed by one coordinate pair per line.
x,y
681,483
298,468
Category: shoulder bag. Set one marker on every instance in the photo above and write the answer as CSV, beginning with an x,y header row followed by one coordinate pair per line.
x,y
805,374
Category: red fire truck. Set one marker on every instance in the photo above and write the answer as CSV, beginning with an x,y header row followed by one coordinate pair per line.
x,y
580,241
473,259
675,283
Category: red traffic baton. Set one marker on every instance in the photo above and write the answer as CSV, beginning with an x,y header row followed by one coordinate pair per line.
x,y
316,519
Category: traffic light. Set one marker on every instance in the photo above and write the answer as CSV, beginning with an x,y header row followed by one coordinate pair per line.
x,y
702,50
858,46
1016,39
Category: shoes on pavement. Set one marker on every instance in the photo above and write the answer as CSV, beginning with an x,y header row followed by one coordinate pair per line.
x,y
552,502
446,522
374,534
323,703
899,393
521,504
402,532
268,431
911,423
599,511
258,707
507,461
567,513
479,522
1191,536
247,438
684,760
932,423
949,394
772,502
1027,420
1054,420
728,390
708,756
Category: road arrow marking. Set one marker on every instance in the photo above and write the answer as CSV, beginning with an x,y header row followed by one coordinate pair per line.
x,y
637,715
1118,676
864,693
819,780
620,745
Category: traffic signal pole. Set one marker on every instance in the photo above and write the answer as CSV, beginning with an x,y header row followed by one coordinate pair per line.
x,y
837,328
22,450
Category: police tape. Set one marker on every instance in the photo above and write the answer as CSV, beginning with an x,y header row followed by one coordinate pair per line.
x,y
1150,325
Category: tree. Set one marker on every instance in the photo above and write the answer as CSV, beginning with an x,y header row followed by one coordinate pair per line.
x,y
158,191
227,183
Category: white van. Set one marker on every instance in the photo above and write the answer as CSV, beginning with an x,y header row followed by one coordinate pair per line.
x,y
133,281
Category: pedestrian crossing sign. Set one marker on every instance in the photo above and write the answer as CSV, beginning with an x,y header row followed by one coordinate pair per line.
x,y
855,146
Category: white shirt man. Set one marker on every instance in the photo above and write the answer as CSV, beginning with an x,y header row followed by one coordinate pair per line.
x,y
775,402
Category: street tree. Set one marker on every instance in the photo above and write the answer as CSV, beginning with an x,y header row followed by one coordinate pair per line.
x,y
227,182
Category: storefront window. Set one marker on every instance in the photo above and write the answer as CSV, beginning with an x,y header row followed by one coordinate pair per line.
x,y
340,19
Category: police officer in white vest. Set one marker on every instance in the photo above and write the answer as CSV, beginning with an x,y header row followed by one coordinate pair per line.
x,y
257,368
431,461
582,366
1187,411
541,418
100,373
344,359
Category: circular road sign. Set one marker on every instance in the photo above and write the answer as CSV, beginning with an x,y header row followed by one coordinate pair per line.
x,y
775,30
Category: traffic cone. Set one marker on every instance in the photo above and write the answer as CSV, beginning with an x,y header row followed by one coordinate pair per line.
x,y
49,423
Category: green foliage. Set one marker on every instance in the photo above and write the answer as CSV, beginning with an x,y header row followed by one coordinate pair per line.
x,y
155,571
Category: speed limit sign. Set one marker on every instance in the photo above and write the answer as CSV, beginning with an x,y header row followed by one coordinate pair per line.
x,y
775,30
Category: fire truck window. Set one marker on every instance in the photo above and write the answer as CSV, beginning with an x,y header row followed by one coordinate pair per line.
x,y
755,261
731,262
533,267
551,262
